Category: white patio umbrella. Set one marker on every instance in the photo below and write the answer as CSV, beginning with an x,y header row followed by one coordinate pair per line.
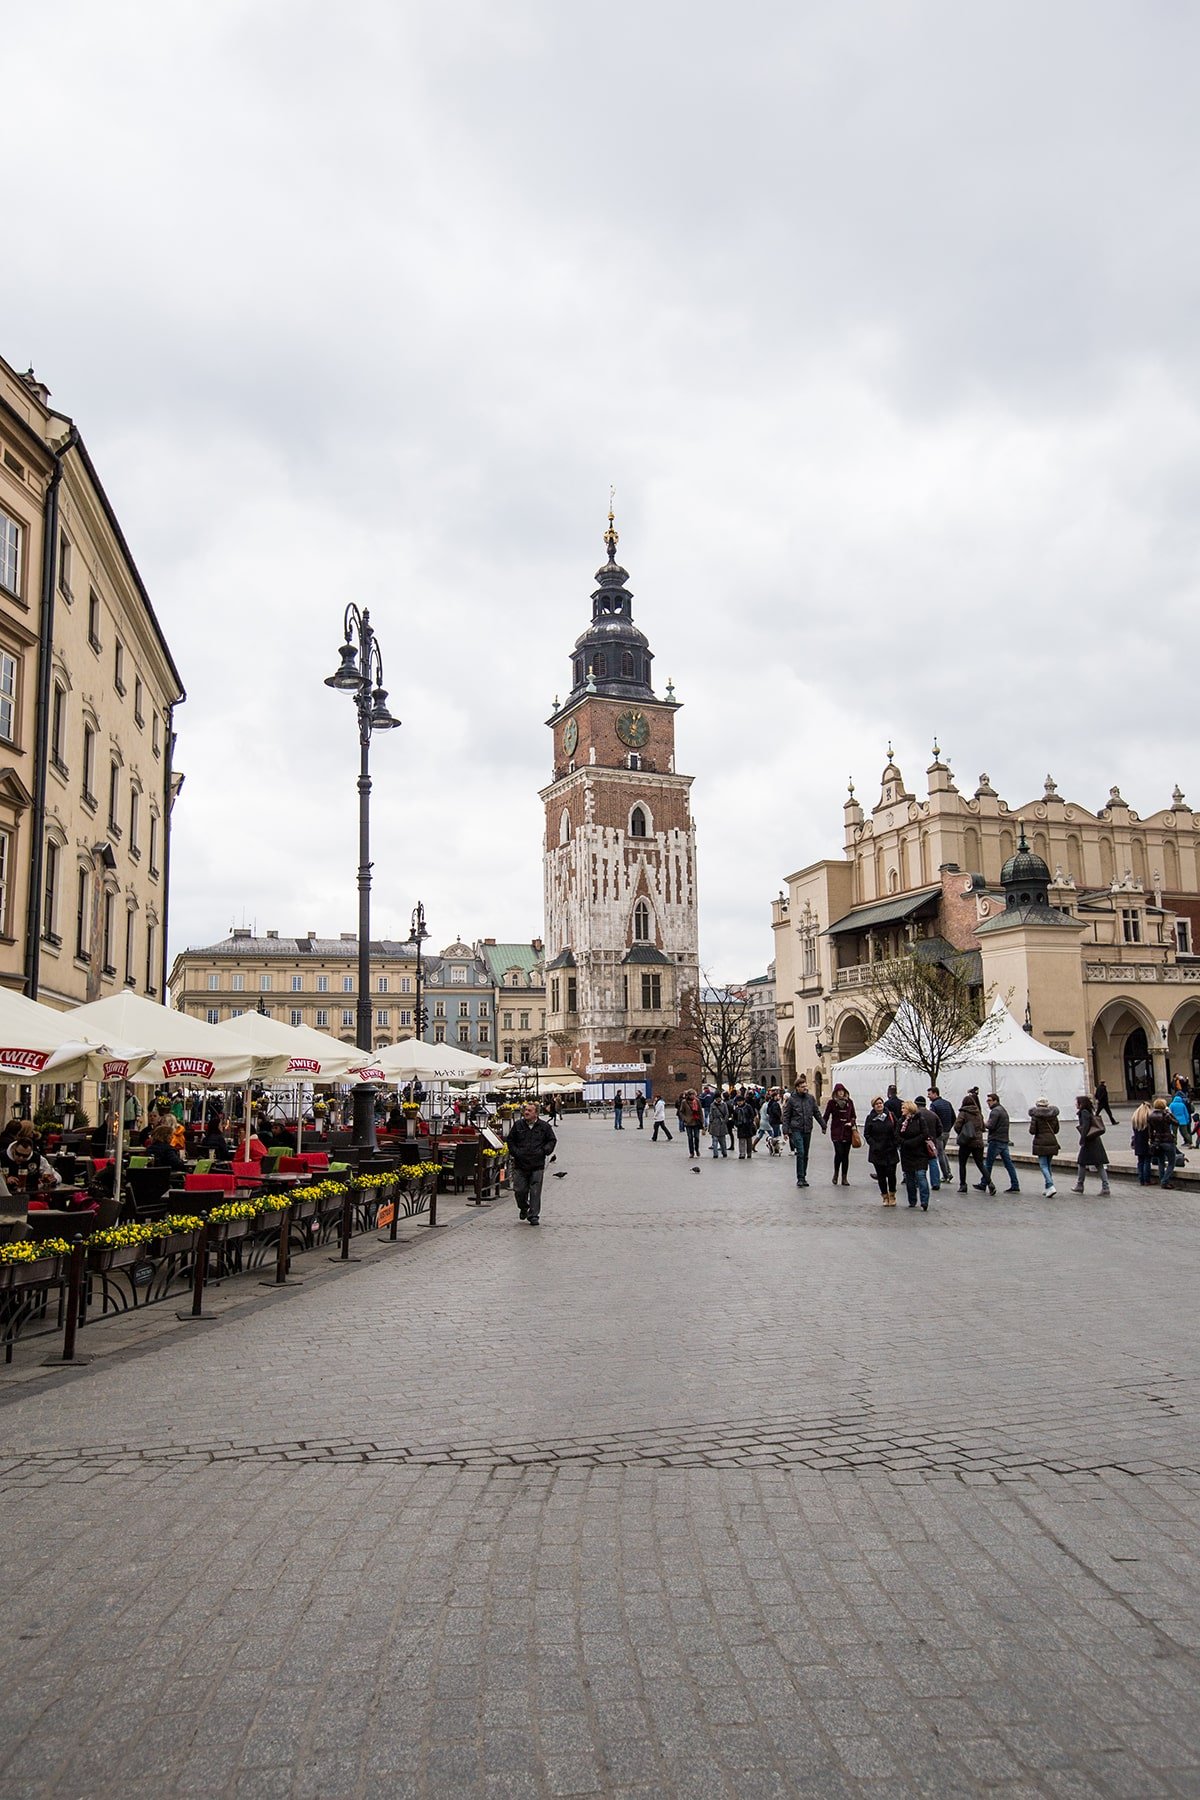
x,y
182,1048
312,1055
412,1060
39,1044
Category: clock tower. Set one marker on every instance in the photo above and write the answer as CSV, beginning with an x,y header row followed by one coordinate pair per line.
x,y
619,859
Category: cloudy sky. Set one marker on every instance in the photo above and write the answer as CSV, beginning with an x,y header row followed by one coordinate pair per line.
x,y
881,318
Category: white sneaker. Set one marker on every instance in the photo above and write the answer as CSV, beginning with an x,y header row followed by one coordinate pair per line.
x,y
1049,1193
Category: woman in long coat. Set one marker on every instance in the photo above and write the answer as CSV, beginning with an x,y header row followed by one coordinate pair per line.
x,y
969,1129
841,1120
1092,1154
879,1129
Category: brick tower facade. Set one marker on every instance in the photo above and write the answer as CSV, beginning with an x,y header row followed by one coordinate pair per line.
x,y
619,859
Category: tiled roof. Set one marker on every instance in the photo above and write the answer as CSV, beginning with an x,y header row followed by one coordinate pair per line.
x,y
644,953
886,912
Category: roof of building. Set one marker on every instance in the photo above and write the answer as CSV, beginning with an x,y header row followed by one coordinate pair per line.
x,y
260,948
886,912
501,959
645,953
564,960
946,955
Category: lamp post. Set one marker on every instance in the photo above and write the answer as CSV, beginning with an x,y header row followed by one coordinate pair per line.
x,y
360,673
417,936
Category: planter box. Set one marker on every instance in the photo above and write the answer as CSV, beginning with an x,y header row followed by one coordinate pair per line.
x,y
30,1274
176,1244
101,1257
226,1230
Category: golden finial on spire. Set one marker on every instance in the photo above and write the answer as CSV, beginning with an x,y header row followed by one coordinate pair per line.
x,y
610,536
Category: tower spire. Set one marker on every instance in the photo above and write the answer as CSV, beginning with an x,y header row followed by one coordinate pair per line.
x,y
610,536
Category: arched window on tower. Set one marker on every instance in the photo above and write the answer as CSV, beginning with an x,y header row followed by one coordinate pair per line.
x,y
641,923
564,827
578,670
637,823
627,664
599,665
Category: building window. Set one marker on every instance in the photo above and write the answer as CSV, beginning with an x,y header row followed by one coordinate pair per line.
x,y
406,1015
264,984
483,1009
213,1015
154,738
637,823
627,665
514,979
347,1018
625,992
119,667
814,1017
600,666
114,796
464,1009
1183,936
134,800
651,992
439,1034
89,766
154,843
633,760
150,983
523,1023
439,1009
508,1053
50,893
64,567
322,984
214,982
235,1012
93,619
641,923
10,554
1131,925
297,984
810,956
382,985
82,892
458,972
507,1021
572,994
130,930
322,1018
406,984
238,984
110,901
383,1016
485,1031
58,728
347,984
297,1016
138,716
8,695
554,993
464,1034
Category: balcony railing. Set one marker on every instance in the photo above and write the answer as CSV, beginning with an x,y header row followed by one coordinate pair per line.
x,y
857,975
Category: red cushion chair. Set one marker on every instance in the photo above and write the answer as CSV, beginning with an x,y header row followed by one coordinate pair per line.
x,y
209,1184
248,1174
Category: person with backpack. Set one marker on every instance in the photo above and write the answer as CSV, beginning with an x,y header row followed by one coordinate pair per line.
x,y
1092,1154
1160,1135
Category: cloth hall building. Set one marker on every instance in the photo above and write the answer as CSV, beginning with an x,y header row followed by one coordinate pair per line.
x,y
1098,956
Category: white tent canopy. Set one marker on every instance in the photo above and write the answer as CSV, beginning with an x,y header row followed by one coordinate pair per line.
x,y
39,1044
414,1060
1001,1058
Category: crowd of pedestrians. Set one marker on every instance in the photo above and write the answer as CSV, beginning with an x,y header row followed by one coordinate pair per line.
x,y
910,1140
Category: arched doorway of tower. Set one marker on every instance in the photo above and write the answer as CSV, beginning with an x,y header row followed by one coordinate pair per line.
x,y
789,1060
1121,1058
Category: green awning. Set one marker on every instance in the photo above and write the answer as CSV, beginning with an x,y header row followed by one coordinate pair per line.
x,y
887,912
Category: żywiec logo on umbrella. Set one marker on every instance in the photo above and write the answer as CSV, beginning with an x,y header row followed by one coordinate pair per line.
x,y
304,1065
188,1065
30,1062
367,1073
116,1071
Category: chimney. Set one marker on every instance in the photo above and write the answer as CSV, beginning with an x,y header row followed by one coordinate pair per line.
x,y
241,931
489,940
348,937
536,944
311,936
272,934
37,388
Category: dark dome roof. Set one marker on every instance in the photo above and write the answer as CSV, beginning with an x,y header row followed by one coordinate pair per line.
x,y
1025,869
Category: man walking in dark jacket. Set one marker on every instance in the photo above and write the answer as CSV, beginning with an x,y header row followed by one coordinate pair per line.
x,y
799,1112
640,1103
944,1113
530,1142
998,1134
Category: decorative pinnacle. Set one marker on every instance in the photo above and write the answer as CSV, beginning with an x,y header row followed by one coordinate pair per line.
x,y
890,751
670,690
610,536
937,751
1022,845
850,784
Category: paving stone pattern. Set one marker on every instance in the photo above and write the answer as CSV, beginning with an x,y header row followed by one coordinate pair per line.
x,y
711,1486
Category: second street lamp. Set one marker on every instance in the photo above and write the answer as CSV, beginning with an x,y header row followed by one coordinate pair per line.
x,y
360,673
417,936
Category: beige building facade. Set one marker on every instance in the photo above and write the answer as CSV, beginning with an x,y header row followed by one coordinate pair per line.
x,y
88,691
1104,968
306,980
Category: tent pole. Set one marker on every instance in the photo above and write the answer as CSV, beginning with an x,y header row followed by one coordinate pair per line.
x,y
245,1122
299,1117
119,1144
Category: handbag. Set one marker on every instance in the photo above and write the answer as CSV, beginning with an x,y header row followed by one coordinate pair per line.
x,y
855,1138
931,1150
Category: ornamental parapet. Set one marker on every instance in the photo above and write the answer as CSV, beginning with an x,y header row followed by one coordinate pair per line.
x,y
1134,972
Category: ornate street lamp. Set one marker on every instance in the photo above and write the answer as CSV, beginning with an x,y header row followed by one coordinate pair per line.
x,y
417,936
360,673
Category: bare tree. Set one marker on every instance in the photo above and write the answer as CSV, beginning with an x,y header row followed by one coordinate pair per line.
x,y
720,1021
935,1010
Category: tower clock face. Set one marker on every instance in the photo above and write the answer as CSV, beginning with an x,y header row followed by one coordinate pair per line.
x,y
633,728
570,736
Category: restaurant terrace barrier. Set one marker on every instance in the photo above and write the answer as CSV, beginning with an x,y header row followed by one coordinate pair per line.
x,y
127,1267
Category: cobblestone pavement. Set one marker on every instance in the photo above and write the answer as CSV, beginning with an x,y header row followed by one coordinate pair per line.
x,y
711,1486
